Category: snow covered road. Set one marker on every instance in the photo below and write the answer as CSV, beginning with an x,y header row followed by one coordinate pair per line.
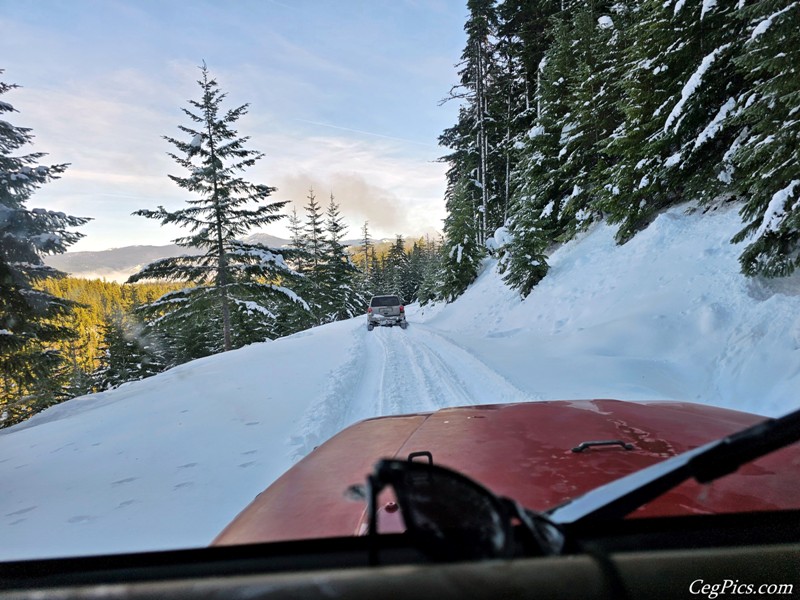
x,y
394,371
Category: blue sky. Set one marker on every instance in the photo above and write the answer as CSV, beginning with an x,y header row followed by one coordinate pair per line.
x,y
344,96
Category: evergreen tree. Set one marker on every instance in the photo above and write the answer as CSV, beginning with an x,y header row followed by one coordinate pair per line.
x,y
478,151
679,84
296,240
314,246
461,199
397,271
376,285
309,259
366,247
98,302
591,99
313,235
697,126
493,142
115,363
233,285
128,353
523,36
537,211
431,273
647,87
342,297
292,318
764,158
418,260
524,259
576,111
79,379
477,80
32,372
479,144
461,252
187,334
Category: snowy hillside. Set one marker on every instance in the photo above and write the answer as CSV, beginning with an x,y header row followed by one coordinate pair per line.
x,y
168,461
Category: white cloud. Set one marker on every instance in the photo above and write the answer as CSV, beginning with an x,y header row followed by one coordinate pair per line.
x,y
373,180
119,164
328,107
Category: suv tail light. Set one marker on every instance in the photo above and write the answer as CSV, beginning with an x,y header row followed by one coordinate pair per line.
x,y
369,309
402,310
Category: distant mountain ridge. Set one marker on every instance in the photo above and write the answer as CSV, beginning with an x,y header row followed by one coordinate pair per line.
x,y
117,264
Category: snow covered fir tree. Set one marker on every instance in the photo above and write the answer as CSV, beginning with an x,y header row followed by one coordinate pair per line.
x,y
127,352
344,298
33,375
575,112
763,157
236,291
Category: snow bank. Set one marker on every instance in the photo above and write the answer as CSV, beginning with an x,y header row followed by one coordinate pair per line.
x,y
666,316
165,462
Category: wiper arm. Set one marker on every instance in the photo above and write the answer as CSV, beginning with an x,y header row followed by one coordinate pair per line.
x,y
706,463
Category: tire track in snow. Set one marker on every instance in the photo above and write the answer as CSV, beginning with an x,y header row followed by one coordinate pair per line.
x,y
393,372
422,371
433,383
329,414
408,378
457,367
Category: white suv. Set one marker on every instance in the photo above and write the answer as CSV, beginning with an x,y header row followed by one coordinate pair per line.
x,y
386,311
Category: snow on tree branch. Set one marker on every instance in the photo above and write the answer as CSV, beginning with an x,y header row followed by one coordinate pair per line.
x,y
691,86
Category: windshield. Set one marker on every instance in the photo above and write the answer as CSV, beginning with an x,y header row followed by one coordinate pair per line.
x,y
592,228
385,301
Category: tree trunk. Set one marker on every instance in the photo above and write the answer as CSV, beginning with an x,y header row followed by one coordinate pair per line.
x,y
483,146
221,282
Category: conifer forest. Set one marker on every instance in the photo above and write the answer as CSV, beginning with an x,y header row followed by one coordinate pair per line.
x,y
575,112
570,113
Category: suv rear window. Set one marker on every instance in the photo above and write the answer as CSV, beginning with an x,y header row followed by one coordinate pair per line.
x,y
385,301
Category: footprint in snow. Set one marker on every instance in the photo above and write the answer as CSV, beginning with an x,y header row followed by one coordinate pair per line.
x,y
60,448
252,423
122,481
21,511
187,466
185,484
81,519
249,452
247,464
126,503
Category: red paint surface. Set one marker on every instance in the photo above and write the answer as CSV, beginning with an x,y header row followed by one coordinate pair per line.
x,y
308,501
522,451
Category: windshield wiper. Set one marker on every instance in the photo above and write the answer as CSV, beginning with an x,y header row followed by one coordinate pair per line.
x,y
706,463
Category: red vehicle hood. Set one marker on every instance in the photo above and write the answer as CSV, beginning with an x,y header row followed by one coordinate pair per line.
x,y
523,451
